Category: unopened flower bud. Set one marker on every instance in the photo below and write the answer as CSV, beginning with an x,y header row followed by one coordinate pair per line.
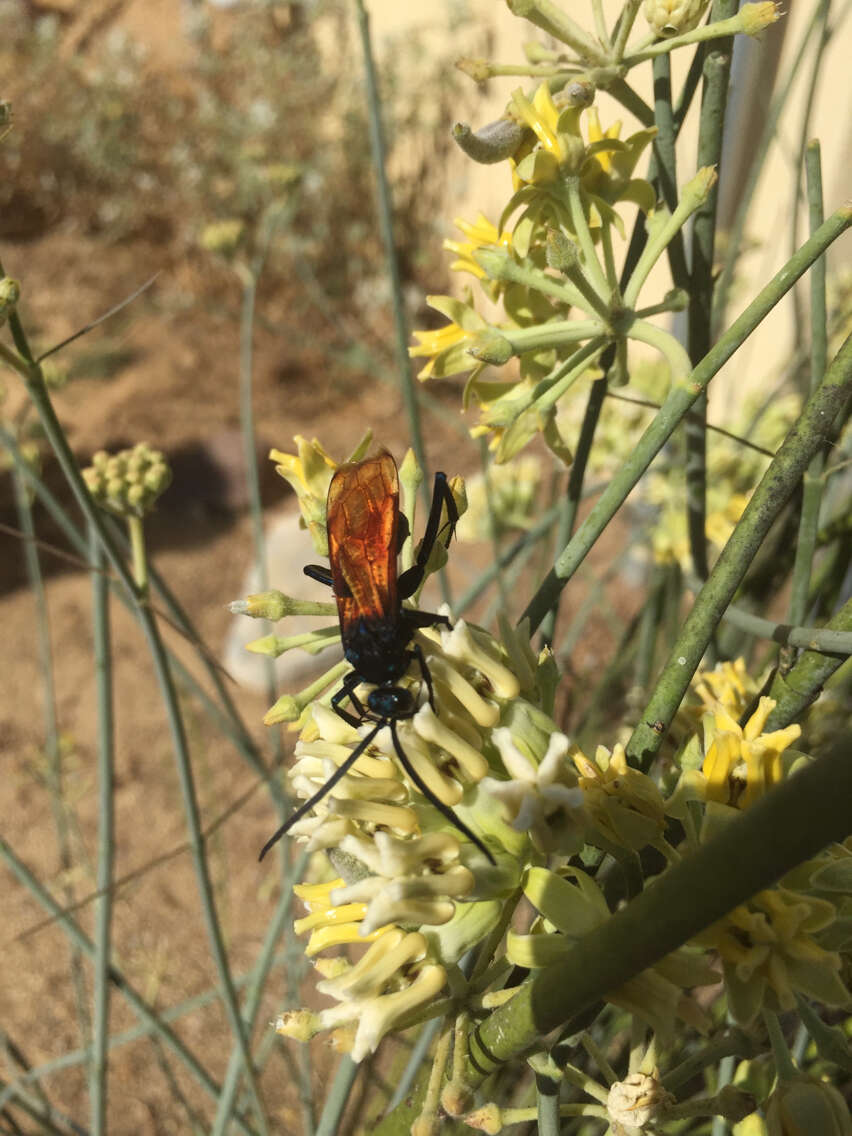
x,y
491,347
756,17
491,143
673,17
561,252
805,1106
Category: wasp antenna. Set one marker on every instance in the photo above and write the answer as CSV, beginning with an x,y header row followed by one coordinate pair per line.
x,y
445,810
302,810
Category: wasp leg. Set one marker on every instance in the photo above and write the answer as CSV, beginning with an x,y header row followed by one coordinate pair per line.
x,y
417,653
411,579
445,810
319,573
302,810
347,690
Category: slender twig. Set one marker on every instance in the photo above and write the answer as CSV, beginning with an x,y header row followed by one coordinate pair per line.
x,y
52,745
772,493
678,403
117,978
813,480
106,838
714,101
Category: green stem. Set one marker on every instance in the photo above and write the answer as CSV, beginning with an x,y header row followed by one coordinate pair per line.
x,y
732,1043
721,29
825,640
591,264
735,243
774,490
676,406
197,848
555,334
251,1005
666,162
813,480
799,687
553,20
714,101
568,510
338,1097
692,196
784,1066
671,350
134,999
626,19
385,207
52,744
106,836
136,530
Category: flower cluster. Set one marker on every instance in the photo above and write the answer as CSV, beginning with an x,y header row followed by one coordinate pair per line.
x,y
128,483
419,861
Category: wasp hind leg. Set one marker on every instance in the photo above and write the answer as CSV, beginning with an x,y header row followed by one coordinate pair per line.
x,y
319,573
412,578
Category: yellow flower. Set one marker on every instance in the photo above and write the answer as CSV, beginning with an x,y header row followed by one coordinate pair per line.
x,y
394,977
769,950
448,348
741,762
330,925
309,472
625,805
480,234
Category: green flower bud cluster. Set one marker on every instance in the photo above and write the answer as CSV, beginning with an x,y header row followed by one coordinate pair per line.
x,y
129,482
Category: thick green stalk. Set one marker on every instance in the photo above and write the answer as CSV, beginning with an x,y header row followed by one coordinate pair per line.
x,y
106,837
147,1013
813,483
676,406
776,487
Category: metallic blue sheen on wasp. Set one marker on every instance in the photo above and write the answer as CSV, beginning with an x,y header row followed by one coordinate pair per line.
x,y
365,531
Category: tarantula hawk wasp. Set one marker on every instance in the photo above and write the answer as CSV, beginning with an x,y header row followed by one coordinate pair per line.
x,y
365,530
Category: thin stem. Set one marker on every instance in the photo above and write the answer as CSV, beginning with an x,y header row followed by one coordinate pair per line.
x,y
338,1097
135,1000
626,20
256,986
385,206
249,279
676,406
799,687
735,243
714,101
591,264
52,746
106,836
774,490
136,529
813,480
553,20
197,848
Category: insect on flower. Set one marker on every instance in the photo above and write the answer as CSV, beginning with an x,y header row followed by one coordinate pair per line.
x,y
365,532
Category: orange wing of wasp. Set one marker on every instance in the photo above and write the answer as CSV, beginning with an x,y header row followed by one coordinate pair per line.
x,y
363,526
